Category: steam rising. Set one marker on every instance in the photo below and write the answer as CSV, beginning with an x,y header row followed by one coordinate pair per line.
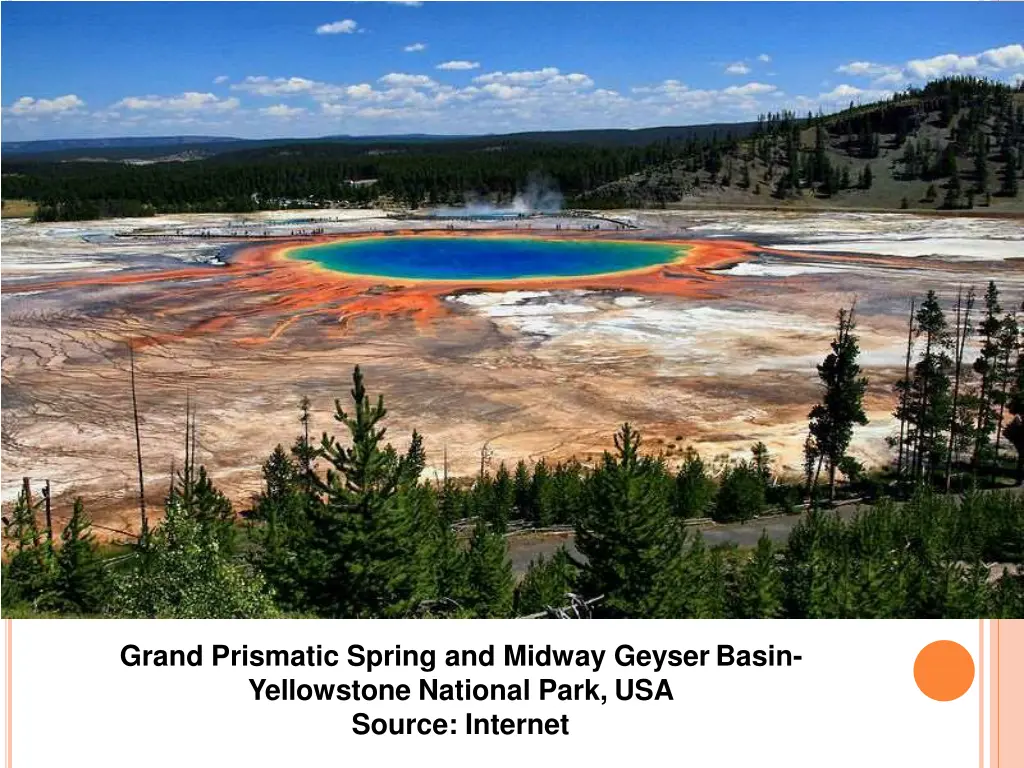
x,y
541,195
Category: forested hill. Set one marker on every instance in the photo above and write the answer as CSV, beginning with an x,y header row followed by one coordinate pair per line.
x,y
956,143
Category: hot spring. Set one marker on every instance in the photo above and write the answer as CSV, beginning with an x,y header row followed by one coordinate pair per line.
x,y
485,258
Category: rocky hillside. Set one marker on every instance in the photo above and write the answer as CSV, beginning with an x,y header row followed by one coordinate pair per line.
x,y
954,144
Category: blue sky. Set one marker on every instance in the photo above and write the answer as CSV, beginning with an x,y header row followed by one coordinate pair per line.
x,y
308,69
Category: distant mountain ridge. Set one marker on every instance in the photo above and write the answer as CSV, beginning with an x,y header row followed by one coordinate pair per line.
x,y
143,147
113,142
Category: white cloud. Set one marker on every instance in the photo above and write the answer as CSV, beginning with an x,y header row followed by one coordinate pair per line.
x,y
548,78
989,62
283,111
890,78
190,101
1007,57
764,58
1018,78
866,69
514,78
415,48
737,68
343,27
750,89
458,64
842,91
946,64
846,93
667,86
27,106
402,80
277,86
220,79
361,91
504,92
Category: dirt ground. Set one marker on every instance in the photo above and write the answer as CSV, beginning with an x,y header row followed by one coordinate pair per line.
x,y
717,353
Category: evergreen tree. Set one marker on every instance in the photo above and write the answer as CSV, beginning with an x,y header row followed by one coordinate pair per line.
x,y
522,491
358,533
931,387
694,489
303,450
1010,184
740,493
986,366
631,541
1014,430
546,584
490,574
82,583
957,424
842,406
502,500
760,591
282,531
1008,342
762,462
30,572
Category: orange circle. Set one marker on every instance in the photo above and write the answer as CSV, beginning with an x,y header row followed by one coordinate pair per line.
x,y
944,670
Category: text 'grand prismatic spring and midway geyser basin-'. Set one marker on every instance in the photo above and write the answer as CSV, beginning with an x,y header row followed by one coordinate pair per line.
x,y
484,258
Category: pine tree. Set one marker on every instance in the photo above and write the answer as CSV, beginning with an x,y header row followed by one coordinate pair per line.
x,y
1008,342
964,305
521,486
82,583
30,571
760,591
303,450
546,584
981,166
358,533
502,500
986,366
954,191
1014,431
740,493
867,178
282,531
762,462
1010,184
842,406
931,385
694,488
490,574
631,541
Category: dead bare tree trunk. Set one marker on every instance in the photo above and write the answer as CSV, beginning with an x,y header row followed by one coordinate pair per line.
x,y
49,516
962,331
1002,411
143,521
905,395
